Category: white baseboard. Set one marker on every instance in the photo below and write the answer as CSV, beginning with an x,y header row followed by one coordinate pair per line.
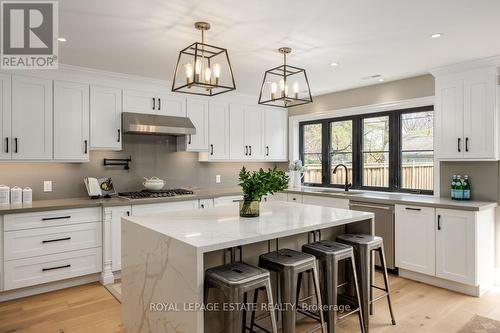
x,y
476,291
48,287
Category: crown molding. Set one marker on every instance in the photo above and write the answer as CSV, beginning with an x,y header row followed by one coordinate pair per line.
x,y
490,62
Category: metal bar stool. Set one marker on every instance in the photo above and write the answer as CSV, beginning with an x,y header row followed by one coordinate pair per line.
x,y
290,265
363,246
236,280
330,254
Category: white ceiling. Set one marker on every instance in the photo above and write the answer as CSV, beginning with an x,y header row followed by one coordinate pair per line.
x,y
366,37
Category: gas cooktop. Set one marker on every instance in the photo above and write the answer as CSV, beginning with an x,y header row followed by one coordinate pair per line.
x,y
146,194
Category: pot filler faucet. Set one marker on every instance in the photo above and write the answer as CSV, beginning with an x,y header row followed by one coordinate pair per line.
x,y
347,185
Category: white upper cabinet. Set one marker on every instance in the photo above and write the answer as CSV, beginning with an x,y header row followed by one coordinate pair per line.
x,y
197,111
140,101
71,121
105,118
246,132
5,117
31,118
467,115
275,134
218,131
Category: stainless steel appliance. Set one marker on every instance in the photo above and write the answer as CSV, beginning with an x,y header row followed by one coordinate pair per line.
x,y
147,194
150,124
384,226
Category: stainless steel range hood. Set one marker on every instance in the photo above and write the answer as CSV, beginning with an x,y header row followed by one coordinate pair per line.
x,y
150,124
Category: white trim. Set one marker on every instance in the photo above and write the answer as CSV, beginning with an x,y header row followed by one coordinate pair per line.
x,y
293,126
465,66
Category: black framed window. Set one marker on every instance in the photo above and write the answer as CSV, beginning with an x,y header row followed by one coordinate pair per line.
x,y
389,151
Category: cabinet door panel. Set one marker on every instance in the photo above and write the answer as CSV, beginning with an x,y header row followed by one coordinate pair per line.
x,y
71,121
254,132
479,117
105,118
32,118
116,235
415,239
171,105
449,120
237,132
197,111
275,132
218,131
325,202
455,246
139,102
5,117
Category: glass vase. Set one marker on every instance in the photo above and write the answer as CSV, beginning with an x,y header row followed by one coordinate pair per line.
x,y
249,208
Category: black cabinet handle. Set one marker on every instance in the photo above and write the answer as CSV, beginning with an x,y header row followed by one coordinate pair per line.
x,y
57,267
128,213
159,104
119,136
211,149
6,144
56,240
15,145
154,103
466,144
86,146
250,150
202,205
246,150
267,150
459,144
189,141
415,209
56,218
439,222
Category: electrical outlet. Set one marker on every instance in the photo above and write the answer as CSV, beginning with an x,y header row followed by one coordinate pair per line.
x,y
47,185
217,179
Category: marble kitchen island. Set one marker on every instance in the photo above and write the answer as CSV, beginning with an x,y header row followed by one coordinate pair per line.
x,y
164,256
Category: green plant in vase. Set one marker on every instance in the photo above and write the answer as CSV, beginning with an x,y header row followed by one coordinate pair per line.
x,y
256,184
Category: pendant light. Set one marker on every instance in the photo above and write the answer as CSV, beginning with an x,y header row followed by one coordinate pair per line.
x,y
203,69
275,89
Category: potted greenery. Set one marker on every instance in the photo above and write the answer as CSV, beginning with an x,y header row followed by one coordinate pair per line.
x,y
257,184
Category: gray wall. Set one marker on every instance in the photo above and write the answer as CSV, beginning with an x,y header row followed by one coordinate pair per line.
x,y
151,156
419,86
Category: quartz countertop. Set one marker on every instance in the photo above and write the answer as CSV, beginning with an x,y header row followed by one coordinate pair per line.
x,y
42,205
222,227
396,198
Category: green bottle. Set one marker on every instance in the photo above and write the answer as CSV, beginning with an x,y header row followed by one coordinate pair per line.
x,y
454,187
466,188
459,192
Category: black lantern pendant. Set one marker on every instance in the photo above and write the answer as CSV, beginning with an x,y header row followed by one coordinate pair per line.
x,y
203,69
275,89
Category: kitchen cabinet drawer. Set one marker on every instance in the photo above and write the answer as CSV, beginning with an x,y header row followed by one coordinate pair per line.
x,y
326,202
159,208
205,203
230,200
51,218
32,271
280,196
44,241
294,197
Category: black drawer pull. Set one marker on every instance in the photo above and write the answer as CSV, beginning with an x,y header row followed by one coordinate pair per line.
x,y
459,145
250,150
56,218
159,104
154,101
86,146
211,149
57,267
15,145
467,144
119,135
439,222
7,145
415,209
56,240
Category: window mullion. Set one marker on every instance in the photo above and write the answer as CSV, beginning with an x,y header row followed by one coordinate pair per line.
x,y
325,144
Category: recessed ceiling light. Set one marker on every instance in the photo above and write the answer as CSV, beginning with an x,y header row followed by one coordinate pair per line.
x,y
62,39
436,35
334,64
381,80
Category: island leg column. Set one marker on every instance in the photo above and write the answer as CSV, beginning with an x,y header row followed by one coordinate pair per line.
x,y
162,282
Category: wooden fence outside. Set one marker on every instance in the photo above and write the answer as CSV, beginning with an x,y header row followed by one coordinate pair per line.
x,y
414,176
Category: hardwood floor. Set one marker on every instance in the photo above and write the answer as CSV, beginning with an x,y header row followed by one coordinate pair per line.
x,y
91,308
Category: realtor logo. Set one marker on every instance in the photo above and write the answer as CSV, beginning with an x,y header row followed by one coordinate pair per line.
x,y
29,32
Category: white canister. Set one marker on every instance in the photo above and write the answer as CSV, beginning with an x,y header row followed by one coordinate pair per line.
x,y
4,195
297,179
290,179
16,195
27,194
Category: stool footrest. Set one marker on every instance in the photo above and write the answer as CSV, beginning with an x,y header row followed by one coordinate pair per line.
x,y
348,313
379,288
379,298
308,313
259,327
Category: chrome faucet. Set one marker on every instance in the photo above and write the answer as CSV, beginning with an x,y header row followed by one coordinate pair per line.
x,y
347,185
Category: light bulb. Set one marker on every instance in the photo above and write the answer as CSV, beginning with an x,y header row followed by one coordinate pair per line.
x,y
282,88
197,69
217,73
286,90
208,74
296,89
274,88
189,72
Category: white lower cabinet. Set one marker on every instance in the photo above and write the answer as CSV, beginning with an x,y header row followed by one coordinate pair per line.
x,y
292,197
279,196
116,235
229,200
325,201
415,246
158,208
205,203
456,246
